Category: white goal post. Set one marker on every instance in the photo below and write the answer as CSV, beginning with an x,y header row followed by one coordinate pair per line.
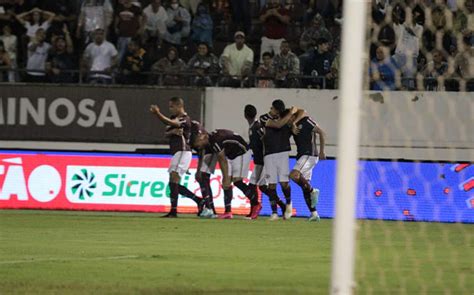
x,y
353,43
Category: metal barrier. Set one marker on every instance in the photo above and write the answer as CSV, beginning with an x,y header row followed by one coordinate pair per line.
x,y
189,78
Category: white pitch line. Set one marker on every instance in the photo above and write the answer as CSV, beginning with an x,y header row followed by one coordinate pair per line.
x,y
68,259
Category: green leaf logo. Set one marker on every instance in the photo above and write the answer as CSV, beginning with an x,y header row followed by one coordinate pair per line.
x,y
83,184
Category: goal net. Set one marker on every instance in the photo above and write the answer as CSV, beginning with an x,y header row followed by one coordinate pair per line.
x,y
414,190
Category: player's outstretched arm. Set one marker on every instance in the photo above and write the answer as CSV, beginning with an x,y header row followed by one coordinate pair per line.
x,y
164,119
322,141
300,114
277,124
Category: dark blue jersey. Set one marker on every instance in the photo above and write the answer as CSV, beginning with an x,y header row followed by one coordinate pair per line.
x,y
306,138
256,144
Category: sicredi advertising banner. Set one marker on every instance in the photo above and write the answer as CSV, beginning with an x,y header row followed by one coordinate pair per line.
x,y
389,190
98,182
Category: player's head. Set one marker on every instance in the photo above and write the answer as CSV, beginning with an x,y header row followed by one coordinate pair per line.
x,y
176,105
202,140
250,112
278,107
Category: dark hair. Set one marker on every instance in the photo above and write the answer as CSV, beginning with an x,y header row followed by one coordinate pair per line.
x,y
321,40
278,105
177,100
266,53
250,111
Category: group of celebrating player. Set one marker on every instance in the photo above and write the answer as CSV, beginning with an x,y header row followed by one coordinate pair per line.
x,y
270,145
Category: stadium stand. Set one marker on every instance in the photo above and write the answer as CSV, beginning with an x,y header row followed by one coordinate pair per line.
x,y
414,45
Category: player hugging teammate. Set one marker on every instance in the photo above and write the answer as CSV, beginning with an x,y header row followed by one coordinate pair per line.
x,y
270,144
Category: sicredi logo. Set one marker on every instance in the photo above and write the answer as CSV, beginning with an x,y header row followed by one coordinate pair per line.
x,y
43,183
117,185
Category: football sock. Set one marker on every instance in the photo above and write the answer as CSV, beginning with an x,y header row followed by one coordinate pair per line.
x,y
174,191
272,194
307,199
228,200
287,193
184,191
254,191
304,184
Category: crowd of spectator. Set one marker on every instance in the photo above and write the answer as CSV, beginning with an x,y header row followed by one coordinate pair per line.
x,y
414,44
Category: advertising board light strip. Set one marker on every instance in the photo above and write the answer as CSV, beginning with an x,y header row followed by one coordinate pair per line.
x,y
133,182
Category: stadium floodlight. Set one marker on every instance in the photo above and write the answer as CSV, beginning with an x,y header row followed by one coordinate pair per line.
x,y
353,36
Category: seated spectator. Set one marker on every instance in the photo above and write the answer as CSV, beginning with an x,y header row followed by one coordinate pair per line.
x,y
38,50
275,19
155,22
315,31
34,19
99,59
434,71
265,72
317,63
204,64
132,64
5,63
202,26
95,14
171,67
287,67
61,60
382,71
10,42
236,61
178,24
128,23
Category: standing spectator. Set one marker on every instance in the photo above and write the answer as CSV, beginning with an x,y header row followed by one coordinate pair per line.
x,y
287,67
100,58
204,64
171,67
191,5
241,18
5,63
95,14
155,22
318,64
63,11
314,32
178,24
265,72
61,59
237,61
37,54
408,36
463,70
434,71
275,19
10,42
382,71
128,23
132,64
39,19
202,25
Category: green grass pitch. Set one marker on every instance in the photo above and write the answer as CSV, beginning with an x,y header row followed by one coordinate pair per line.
x,y
51,252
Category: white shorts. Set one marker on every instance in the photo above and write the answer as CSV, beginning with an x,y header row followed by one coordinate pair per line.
x,y
257,175
208,163
305,165
180,162
276,167
239,167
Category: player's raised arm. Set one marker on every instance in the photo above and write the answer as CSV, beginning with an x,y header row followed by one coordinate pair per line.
x,y
322,141
167,121
282,121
